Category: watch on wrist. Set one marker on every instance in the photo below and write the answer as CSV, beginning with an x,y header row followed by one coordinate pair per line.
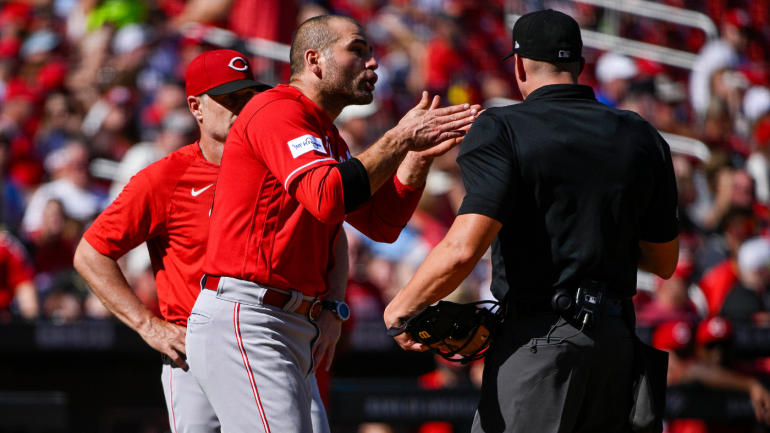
x,y
341,309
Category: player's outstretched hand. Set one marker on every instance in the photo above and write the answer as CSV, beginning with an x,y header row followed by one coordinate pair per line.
x,y
426,125
330,329
167,338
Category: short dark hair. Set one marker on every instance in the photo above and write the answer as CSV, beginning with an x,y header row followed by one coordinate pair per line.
x,y
314,34
539,66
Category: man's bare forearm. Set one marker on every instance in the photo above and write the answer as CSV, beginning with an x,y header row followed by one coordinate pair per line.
x,y
445,267
413,170
109,284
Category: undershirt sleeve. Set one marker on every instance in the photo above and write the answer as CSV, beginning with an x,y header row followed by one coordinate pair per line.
x,y
319,190
660,222
488,171
133,218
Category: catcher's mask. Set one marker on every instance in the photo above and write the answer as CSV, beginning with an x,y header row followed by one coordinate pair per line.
x,y
450,329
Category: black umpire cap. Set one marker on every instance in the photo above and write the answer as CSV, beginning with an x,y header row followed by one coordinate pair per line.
x,y
548,36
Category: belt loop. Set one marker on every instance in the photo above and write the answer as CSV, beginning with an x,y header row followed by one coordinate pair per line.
x,y
203,281
294,302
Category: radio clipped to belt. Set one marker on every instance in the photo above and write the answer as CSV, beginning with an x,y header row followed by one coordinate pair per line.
x,y
587,305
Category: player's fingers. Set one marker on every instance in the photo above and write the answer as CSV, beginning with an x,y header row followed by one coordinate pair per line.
x,y
450,135
329,357
424,101
178,360
436,102
318,355
439,112
457,125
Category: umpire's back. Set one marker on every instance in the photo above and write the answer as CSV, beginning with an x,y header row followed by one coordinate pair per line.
x,y
576,185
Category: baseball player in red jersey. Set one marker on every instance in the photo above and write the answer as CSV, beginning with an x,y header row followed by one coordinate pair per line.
x,y
286,184
167,205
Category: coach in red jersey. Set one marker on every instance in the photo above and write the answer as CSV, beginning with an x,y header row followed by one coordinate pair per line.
x,y
286,184
167,205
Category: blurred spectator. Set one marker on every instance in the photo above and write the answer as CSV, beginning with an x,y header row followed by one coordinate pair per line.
x,y
70,186
758,164
16,279
58,125
177,129
705,364
614,72
363,331
15,116
756,103
748,300
52,251
737,225
107,124
717,54
670,302
11,194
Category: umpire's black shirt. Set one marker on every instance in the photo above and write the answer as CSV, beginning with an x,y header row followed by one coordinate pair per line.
x,y
576,184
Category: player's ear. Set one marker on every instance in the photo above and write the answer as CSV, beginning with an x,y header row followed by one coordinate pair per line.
x,y
313,62
195,104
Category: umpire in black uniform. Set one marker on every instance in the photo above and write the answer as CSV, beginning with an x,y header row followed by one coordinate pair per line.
x,y
563,188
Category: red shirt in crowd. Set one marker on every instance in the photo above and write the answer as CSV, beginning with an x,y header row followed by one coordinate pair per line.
x,y
279,202
716,285
166,205
15,268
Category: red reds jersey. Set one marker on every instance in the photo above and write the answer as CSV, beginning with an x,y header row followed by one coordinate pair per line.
x,y
166,205
279,204
15,268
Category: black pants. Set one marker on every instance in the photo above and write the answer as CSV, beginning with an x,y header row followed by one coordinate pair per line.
x,y
581,384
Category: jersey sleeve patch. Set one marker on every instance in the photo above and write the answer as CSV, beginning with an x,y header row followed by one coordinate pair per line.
x,y
306,143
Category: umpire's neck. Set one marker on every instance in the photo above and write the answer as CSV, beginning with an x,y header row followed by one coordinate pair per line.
x,y
533,74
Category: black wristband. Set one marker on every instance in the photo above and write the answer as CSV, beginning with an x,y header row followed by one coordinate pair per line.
x,y
355,184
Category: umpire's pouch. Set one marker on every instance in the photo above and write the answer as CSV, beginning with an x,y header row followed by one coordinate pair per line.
x,y
649,374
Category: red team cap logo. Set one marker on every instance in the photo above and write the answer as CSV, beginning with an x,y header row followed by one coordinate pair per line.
x,y
219,72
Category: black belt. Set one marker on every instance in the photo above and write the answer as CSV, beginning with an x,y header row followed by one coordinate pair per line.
x,y
612,307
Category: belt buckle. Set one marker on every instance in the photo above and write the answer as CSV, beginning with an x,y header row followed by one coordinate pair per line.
x,y
315,310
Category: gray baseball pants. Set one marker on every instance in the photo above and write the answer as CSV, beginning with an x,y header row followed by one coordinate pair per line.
x,y
189,410
253,361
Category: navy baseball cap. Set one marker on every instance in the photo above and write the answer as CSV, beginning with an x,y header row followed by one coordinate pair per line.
x,y
548,36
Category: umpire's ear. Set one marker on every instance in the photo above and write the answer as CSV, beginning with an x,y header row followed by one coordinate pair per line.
x,y
521,74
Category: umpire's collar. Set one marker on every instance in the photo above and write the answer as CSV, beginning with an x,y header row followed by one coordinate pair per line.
x,y
561,91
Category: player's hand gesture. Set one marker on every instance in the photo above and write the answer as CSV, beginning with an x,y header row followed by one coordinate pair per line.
x,y
426,125
330,329
446,145
167,338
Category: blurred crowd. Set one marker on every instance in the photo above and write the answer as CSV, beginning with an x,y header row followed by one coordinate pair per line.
x,y
91,92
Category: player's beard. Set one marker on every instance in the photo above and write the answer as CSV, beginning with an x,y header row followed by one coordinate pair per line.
x,y
345,87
